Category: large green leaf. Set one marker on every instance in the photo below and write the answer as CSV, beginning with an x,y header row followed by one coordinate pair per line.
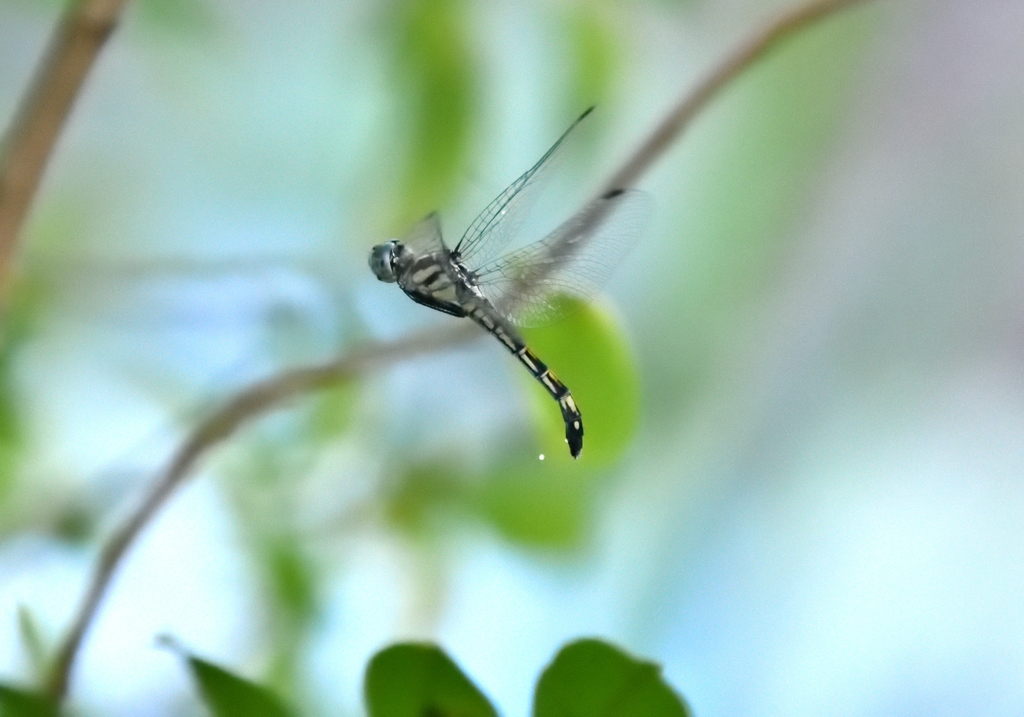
x,y
590,678
415,680
589,353
531,502
539,503
228,695
16,702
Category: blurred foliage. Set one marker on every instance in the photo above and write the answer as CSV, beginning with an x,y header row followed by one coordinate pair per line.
x,y
228,695
757,151
530,502
333,409
10,433
435,65
26,301
292,578
419,491
189,18
592,42
16,702
794,104
48,4
32,641
415,680
536,503
182,17
292,587
590,678
265,482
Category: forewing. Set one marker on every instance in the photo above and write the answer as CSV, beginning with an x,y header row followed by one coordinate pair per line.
x,y
425,237
576,259
495,226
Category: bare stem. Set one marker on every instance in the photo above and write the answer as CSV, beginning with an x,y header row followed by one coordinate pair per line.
x,y
76,42
770,37
250,403
267,395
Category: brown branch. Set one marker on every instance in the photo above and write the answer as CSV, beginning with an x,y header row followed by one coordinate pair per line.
x,y
250,403
271,393
81,32
745,55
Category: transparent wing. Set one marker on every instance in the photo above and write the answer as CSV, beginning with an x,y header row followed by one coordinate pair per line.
x,y
495,226
576,259
425,237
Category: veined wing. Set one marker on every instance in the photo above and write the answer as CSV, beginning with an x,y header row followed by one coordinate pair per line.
x,y
495,226
576,259
425,237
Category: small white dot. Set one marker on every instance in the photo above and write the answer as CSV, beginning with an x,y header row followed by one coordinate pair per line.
x,y
541,456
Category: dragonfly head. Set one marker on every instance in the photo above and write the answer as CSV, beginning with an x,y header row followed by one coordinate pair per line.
x,y
382,260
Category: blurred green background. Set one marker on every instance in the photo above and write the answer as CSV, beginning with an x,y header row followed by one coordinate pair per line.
x,y
802,485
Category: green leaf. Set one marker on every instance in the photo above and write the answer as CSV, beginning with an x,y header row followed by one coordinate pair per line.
x,y
590,678
18,322
228,695
16,702
417,680
293,579
539,503
434,60
589,353
32,640
10,432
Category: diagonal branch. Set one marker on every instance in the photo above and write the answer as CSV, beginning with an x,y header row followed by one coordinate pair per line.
x,y
269,394
250,403
770,37
80,34
691,105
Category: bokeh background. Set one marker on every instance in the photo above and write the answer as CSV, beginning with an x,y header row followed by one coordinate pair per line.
x,y
808,494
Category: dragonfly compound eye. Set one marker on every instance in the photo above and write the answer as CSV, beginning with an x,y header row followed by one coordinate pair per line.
x,y
382,261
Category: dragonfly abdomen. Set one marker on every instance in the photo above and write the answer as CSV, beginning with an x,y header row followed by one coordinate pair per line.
x,y
539,370
560,392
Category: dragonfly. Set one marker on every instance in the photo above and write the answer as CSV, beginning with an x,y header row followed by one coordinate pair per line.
x,y
500,292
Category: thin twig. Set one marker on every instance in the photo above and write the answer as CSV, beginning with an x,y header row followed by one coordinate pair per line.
x,y
747,54
250,403
271,393
81,32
